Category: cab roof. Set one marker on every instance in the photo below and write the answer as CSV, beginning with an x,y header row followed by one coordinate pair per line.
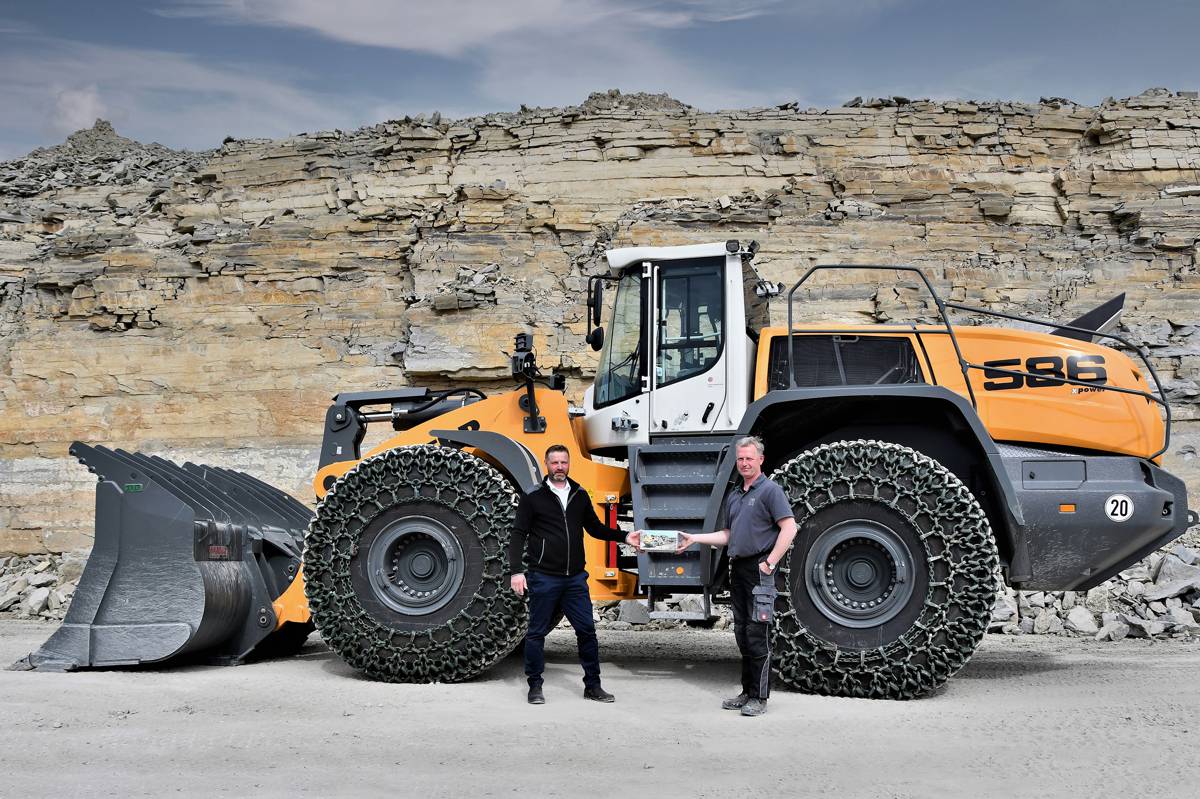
x,y
622,257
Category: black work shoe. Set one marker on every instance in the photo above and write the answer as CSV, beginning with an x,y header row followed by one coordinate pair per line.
x,y
754,707
536,697
736,702
598,694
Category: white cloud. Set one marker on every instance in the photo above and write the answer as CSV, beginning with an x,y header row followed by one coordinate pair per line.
x,y
565,70
458,28
452,28
54,86
76,108
14,27
536,52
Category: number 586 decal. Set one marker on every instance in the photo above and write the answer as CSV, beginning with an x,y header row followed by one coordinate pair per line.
x,y
1044,371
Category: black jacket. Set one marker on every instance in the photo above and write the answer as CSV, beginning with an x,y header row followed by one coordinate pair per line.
x,y
553,534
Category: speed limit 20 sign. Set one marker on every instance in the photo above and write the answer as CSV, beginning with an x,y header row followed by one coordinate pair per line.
x,y
1118,507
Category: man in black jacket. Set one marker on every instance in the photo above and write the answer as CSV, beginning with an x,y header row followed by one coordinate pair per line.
x,y
549,528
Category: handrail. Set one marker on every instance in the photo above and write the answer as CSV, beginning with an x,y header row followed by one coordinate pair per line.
x,y
965,366
962,362
1161,399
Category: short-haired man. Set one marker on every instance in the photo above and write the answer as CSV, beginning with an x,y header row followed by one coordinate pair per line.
x,y
549,529
759,526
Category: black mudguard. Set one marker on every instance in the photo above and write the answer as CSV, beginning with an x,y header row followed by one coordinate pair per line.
x,y
517,461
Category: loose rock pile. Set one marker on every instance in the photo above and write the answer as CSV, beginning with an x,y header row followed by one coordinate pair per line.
x,y
39,586
96,156
631,614
1157,598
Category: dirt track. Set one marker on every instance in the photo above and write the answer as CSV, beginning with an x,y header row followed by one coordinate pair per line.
x,y
1028,717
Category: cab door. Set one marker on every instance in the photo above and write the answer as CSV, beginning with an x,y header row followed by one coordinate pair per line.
x,y
618,402
689,346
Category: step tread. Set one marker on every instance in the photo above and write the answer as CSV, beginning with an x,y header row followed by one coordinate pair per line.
x,y
675,449
675,480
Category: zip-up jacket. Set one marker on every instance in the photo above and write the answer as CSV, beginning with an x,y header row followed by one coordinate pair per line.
x,y
552,534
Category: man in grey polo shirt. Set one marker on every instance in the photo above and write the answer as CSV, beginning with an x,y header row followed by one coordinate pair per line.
x,y
758,529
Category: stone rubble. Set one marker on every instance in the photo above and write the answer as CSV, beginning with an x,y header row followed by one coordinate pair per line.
x,y
1127,605
41,586
93,157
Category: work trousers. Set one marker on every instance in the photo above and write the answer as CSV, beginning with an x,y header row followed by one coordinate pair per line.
x,y
547,593
753,637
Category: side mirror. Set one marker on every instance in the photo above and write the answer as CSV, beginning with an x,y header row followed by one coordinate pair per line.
x,y
597,307
596,338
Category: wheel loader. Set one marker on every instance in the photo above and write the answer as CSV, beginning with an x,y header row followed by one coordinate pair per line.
x,y
923,462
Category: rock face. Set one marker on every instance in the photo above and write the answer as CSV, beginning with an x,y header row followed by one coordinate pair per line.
x,y
207,305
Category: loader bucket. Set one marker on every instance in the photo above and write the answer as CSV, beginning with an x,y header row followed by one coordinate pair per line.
x,y
186,563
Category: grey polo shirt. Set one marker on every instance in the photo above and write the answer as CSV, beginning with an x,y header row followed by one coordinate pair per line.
x,y
753,516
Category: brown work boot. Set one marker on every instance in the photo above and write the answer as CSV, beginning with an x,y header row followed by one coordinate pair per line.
x,y
754,707
736,702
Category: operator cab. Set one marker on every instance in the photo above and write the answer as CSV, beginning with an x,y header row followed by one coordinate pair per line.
x,y
687,373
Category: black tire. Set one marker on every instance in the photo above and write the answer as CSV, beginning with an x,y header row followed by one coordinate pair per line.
x,y
439,521
889,586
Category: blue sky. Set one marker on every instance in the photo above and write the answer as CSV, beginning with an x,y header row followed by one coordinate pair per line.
x,y
187,73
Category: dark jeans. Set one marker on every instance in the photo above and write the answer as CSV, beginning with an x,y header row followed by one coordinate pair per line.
x,y
753,637
547,593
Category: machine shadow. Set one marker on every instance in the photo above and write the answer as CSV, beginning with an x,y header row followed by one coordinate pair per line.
x,y
705,660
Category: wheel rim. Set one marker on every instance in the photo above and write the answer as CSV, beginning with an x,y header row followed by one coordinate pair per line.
x,y
415,565
860,573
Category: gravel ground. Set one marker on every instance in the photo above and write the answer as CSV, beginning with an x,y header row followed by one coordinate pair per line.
x,y
1029,716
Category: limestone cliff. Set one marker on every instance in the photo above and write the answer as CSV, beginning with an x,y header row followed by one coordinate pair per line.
x,y
207,305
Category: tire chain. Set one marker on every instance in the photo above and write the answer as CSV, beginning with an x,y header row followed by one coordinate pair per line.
x,y
491,625
958,603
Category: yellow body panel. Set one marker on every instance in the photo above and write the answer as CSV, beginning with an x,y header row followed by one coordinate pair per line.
x,y
502,414
1051,414
292,605
1054,414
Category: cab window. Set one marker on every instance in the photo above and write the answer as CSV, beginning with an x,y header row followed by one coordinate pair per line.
x,y
691,322
620,374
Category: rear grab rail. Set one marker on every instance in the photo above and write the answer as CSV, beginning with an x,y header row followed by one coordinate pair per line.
x,y
943,307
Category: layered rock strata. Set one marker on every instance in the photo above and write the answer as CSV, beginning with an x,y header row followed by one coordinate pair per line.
x,y
206,306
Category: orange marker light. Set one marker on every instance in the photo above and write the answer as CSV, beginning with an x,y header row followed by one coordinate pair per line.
x,y
1066,508
679,570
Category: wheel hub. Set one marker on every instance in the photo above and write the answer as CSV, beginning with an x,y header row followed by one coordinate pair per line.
x,y
415,565
860,572
422,565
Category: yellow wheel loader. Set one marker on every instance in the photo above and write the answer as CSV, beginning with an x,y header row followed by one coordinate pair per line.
x,y
920,460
